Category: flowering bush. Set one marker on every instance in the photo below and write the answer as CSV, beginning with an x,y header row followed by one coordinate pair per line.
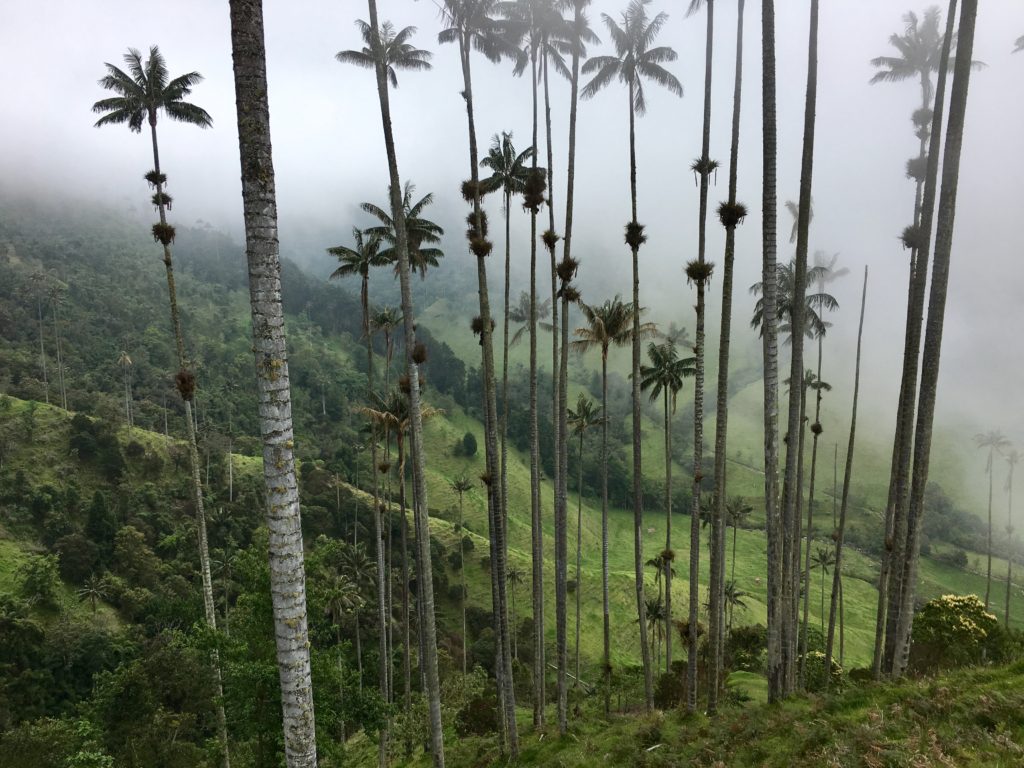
x,y
951,631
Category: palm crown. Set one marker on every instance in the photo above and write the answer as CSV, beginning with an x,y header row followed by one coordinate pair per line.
x,y
666,371
145,90
585,416
393,49
509,170
472,24
816,302
634,59
358,260
609,324
919,49
418,231
995,442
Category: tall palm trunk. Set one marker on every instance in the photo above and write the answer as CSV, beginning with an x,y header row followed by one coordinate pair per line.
x,y
404,565
42,350
425,583
287,577
60,352
934,325
496,509
504,370
1009,543
700,278
462,568
837,569
791,485
570,185
730,217
561,521
638,486
605,602
816,430
894,552
537,529
770,347
988,542
186,388
668,556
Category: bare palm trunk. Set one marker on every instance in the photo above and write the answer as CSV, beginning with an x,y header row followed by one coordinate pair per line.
x,y
895,551
668,556
561,523
579,561
1009,542
287,577
934,326
988,542
42,350
605,602
462,567
700,278
791,486
638,486
496,509
770,346
816,429
60,354
837,569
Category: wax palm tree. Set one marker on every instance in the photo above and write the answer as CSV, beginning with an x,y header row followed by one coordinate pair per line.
x,y
823,560
358,567
733,597
919,50
398,52
1012,460
737,511
509,174
37,287
462,485
419,231
918,240
1019,45
635,61
93,590
664,378
386,320
143,93
730,213
992,442
609,324
55,294
582,419
471,24
655,617
287,577
357,261
840,532
815,304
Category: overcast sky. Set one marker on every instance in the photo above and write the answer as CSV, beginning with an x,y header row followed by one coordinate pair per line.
x,y
329,156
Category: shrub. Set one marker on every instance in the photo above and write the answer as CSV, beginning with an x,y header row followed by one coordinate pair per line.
x,y
815,679
950,631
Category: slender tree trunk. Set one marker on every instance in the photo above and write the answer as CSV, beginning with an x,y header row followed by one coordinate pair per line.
x,y
561,522
837,569
934,325
988,542
504,370
668,556
895,551
1009,543
42,350
537,530
722,398
554,300
638,486
404,564
770,346
60,353
791,486
425,585
287,577
605,602
498,546
579,561
816,429
698,412
462,567
187,390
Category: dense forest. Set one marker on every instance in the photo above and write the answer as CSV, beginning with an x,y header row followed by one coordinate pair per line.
x,y
469,511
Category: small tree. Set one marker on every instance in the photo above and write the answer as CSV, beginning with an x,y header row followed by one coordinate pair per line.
x,y
950,631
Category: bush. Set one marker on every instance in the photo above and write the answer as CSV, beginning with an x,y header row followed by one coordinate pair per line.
x,y
956,558
467,447
950,631
39,580
815,679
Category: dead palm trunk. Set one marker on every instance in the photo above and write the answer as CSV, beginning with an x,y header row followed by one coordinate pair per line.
x,y
770,346
894,553
730,216
933,327
287,577
415,354
496,517
837,569
791,486
634,235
